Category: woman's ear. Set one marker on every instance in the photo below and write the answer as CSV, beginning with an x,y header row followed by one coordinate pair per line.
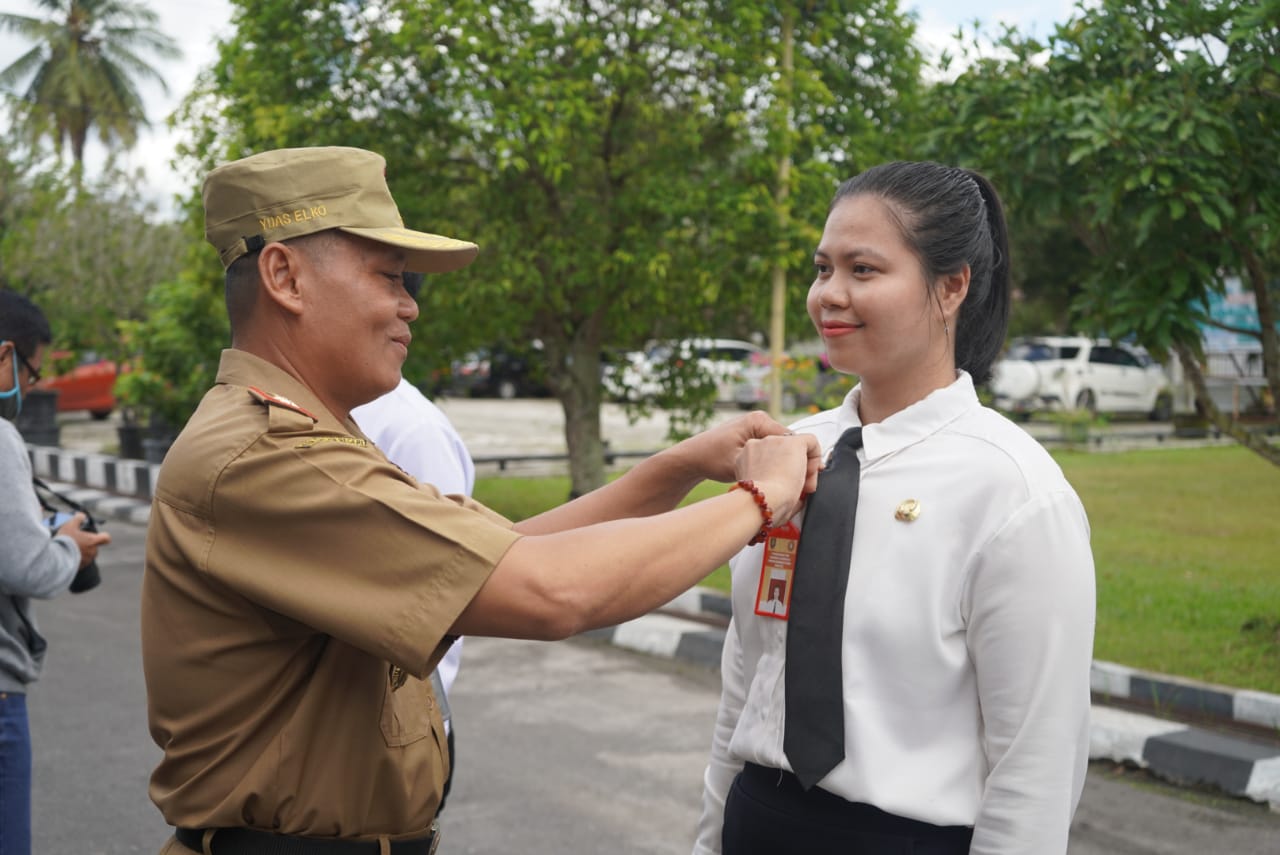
x,y
952,289
279,267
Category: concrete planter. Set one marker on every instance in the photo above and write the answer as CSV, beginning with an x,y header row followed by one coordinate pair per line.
x,y
38,421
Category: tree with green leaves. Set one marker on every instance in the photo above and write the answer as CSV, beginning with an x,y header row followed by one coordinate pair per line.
x,y
615,165
87,254
1152,131
81,74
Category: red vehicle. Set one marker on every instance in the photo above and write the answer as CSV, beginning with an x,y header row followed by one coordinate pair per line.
x,y
88,386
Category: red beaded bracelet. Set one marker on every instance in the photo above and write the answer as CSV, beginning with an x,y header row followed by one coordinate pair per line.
x,y
761,502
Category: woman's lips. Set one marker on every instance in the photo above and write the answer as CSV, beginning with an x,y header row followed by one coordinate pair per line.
x,y
835,330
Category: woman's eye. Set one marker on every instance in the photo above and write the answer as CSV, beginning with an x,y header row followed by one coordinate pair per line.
x,y
862,269
820,268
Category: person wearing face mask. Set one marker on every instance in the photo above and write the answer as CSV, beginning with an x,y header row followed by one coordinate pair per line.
x,y
33,565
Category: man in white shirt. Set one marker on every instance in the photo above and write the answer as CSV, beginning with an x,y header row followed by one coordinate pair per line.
x,y
418,437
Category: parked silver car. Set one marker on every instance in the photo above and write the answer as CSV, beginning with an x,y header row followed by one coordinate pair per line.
x,y
720,360
1073,372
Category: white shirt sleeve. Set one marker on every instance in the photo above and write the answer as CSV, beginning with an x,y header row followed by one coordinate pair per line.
x,y
722,768
416,435
1029,606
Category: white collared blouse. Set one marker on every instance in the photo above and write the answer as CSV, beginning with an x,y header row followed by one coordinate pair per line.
x,y
968,634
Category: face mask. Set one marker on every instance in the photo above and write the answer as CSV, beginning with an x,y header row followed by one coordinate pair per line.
x,y
11,401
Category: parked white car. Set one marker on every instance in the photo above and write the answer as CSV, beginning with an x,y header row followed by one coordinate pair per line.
x,y
1065,372
721,360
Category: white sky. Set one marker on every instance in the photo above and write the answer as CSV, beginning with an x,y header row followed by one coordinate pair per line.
x,y
197,24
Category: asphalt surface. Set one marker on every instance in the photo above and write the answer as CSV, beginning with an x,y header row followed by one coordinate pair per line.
x,y
573,747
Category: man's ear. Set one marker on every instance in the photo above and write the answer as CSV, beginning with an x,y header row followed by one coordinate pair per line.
x,y
279,267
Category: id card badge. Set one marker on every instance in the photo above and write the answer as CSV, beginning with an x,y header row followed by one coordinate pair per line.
x,y
773,597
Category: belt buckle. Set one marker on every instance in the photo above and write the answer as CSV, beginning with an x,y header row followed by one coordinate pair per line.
x,y
435,837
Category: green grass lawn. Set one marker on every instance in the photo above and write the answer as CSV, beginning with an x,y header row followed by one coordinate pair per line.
x,y
1187,547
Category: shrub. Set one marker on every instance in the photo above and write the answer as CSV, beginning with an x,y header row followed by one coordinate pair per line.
x,y
176,351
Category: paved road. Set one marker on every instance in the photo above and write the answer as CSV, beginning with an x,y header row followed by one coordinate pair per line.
x,y
93,754
569,748
578,747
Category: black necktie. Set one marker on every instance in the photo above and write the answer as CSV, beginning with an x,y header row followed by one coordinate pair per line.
x,y
814,737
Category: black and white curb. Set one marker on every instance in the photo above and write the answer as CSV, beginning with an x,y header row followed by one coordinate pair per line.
x,y
1187,755
102,505
1175,695
1176,752
133,478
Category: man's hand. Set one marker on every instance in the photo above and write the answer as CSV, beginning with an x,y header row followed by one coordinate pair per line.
x,y
87,541
713,452
784,467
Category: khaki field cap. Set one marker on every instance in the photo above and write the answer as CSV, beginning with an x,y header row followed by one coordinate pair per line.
x,y
292,192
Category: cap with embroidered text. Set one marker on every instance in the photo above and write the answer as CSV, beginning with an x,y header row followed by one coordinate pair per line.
x,y
290,192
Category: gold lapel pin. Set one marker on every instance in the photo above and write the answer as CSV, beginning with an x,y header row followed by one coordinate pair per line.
x,y
907,511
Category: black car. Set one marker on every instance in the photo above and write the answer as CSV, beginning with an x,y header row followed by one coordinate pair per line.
x,y
501,372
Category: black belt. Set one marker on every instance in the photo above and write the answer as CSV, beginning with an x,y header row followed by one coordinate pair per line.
x,y
784,792
249,841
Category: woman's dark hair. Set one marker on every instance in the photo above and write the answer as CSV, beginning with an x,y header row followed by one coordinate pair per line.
x,y
951,217
22,323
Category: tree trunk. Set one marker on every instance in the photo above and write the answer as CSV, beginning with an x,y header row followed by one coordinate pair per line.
x,y
577,386
782,211
1252,440
1267,325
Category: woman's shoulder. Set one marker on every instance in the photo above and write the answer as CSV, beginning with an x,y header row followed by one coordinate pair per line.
x,y
1001,444
825,425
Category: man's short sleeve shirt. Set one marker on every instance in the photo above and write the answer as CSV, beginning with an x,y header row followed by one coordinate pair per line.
x,y
299,589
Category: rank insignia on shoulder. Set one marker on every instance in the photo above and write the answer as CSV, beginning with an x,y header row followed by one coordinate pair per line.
x,y
312,442
279,401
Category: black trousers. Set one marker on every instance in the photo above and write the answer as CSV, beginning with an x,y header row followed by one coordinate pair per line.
x,y
768,813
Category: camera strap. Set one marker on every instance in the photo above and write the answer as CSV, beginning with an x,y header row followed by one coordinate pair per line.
x,y
47,495
87,577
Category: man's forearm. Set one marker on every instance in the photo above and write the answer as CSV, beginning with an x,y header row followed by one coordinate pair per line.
x,y
653,486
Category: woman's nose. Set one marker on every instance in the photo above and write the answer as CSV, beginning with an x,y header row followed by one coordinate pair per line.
x,y
832,292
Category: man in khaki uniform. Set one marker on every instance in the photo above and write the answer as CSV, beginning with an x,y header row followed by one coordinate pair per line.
x,y
299,588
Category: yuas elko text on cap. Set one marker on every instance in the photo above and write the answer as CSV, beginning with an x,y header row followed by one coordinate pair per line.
x,y
290,192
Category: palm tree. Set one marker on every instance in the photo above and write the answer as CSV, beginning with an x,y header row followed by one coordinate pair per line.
x,y
83,70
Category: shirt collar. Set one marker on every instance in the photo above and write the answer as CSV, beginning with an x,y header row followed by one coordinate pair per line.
x,y
915,423
241,368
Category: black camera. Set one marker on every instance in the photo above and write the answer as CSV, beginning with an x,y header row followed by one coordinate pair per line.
x,y
87,577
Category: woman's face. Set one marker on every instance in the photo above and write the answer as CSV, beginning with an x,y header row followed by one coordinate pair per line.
x,y
870,302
